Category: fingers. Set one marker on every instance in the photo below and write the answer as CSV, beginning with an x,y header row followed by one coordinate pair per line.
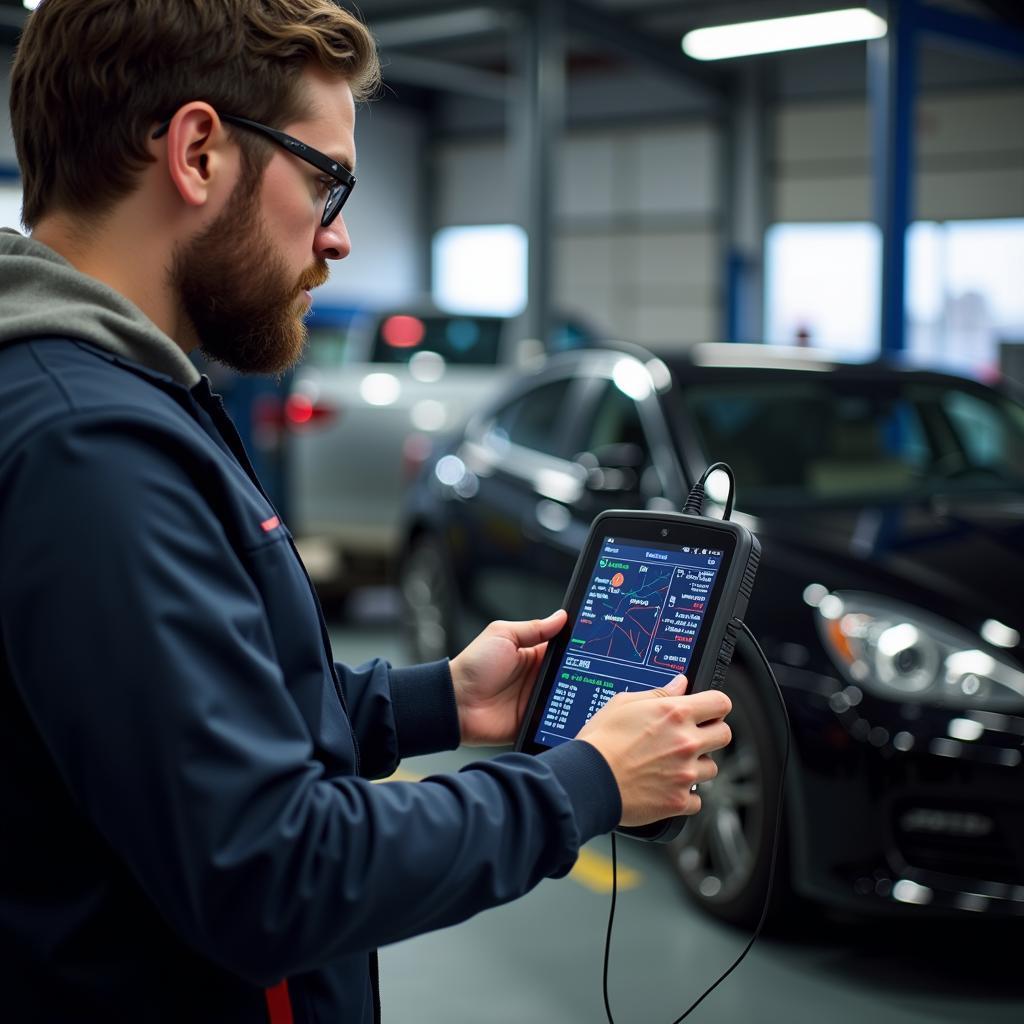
x,y
706,706
676,688
707,768
715,737
531,632
709,706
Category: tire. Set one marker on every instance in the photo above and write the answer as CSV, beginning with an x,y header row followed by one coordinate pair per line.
x,y
722,857
430,601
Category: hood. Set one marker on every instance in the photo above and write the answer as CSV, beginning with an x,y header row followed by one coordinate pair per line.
x,y
42,295
963,551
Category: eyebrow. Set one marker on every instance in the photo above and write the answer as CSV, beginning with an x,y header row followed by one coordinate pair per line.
x,y
349,165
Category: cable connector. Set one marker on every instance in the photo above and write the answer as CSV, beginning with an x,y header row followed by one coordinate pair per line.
x,y
694,505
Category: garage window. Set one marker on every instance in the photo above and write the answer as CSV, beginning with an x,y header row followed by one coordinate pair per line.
x,y
823,289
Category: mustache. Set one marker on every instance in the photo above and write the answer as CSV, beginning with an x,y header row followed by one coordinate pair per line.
x,y
315,276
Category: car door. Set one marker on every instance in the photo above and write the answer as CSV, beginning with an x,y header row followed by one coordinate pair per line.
x,y
521,456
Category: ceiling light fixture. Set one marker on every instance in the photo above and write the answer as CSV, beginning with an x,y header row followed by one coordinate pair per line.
x,y
777,34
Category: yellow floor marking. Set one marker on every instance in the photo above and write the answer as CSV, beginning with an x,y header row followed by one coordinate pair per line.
x,y
592,870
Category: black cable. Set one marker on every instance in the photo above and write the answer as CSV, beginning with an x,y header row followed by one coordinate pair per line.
x,y
771,866
695,506
608,934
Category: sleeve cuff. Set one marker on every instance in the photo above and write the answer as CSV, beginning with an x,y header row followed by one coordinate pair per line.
x,y
590,785
426,717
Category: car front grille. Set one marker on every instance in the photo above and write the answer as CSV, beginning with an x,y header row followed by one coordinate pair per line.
x,y
978,841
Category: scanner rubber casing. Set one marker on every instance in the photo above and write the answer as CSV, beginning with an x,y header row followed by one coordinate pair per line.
x,y
732,593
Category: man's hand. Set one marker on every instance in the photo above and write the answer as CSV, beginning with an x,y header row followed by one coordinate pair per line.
x,y
657,744
494,677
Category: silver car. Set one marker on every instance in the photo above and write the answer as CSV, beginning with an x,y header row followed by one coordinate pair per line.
x,y
363,414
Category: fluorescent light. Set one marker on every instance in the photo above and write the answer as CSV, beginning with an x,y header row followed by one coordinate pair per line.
x,y
776,34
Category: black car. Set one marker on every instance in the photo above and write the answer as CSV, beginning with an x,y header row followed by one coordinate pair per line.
x,y
889,504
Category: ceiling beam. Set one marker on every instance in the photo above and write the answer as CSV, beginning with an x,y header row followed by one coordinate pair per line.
x,y
1009,11
611,30
443,76
440,24
623,37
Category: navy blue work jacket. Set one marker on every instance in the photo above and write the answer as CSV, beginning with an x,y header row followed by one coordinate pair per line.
x,y
189,830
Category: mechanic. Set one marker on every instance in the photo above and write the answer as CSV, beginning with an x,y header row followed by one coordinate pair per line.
x,y
190,831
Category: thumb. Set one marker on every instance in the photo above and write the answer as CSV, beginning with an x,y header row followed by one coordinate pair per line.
x,y
677,687
531,632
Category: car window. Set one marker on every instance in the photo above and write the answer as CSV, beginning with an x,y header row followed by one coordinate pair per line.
x,y
615,428
853,438
459,340
988,438
531,420
616,421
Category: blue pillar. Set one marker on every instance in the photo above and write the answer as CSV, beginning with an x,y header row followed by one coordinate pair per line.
x,y
892,86
892,68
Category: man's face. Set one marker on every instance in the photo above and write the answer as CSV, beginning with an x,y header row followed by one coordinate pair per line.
x,y
244,281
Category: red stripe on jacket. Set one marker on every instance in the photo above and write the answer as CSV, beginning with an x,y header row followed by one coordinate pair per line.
x,y
279,1004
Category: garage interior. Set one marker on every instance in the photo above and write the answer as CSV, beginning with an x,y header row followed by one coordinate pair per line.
x,y
856,201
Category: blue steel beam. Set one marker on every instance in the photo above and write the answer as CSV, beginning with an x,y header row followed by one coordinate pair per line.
x,y
892,87
993,36
892,76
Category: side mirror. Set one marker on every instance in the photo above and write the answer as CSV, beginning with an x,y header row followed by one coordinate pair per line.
x,y
613,467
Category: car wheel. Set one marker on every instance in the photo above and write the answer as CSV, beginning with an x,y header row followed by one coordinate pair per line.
x,y
722,856
428,595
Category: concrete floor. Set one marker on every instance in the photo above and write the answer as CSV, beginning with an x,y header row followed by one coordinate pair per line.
x,y
539,959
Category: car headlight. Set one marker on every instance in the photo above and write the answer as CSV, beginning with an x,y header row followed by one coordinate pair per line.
x,y
904,653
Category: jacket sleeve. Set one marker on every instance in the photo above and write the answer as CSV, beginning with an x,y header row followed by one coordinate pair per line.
x,y
399,712
141,649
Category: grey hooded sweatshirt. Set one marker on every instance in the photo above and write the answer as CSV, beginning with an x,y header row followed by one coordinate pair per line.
x,y
43,295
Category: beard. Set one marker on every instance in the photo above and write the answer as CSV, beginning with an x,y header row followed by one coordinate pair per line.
x,y
245,308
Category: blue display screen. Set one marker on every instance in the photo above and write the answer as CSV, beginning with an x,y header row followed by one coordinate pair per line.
x,y
637,626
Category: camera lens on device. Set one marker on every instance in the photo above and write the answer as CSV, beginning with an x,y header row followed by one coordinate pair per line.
x,y
664,532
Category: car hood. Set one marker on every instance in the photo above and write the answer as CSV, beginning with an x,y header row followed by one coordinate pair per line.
x,y
948,552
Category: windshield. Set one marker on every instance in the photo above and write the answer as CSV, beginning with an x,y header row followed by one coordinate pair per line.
x,y
840,439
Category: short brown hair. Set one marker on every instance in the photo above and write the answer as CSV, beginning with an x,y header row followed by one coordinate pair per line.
x,y
92,77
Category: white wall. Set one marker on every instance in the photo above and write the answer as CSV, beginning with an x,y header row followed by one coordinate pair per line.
x,y
970,158
385,214
638,213
636,223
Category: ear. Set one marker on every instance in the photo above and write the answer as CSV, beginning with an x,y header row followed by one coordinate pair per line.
x,y
198,158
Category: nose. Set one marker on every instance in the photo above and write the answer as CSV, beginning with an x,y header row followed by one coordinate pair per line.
x,y
332,242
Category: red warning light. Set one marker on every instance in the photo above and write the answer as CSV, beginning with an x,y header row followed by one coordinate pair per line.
x,y
402,331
